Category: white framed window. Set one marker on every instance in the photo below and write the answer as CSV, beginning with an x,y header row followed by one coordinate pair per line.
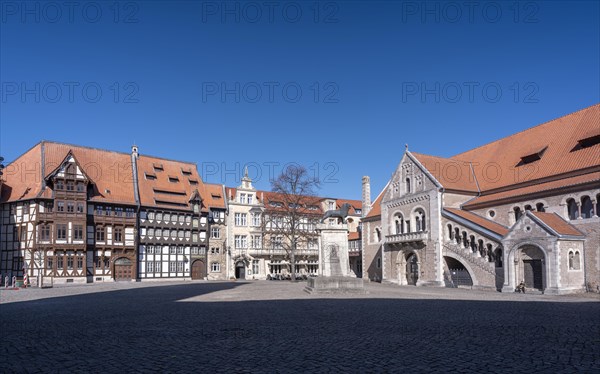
x,y
240,219
255,219
172,249
180,266
250,197
150,267
243,198
255,265
240,241
157,266
215,232
215,267
172,266
256,241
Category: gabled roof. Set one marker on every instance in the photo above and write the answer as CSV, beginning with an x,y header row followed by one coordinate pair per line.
x,y
170,187
451,174
534,189
376,205
479,221
109,172
214,195
555,222
354,235
509,162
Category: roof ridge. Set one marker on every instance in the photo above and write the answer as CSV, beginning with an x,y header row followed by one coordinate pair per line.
x,y
525,130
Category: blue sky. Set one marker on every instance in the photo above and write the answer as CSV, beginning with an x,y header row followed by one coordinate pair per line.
x,y
339,87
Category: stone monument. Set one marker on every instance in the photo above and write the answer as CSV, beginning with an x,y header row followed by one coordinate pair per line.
x,y
334,275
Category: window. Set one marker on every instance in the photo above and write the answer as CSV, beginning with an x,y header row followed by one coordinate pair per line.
x,y
61,231
60,206
45,232
100,233
256,241
240,241
129,212
60,184
157,266
150,216
70,186
118,211
243,198
167,217
70,261
150,267
108,211
119,235
78,232
99,210
80,261
48,206
172,266
80,187
158,167
255,219
159,216
173,179
278,242
23,233
158,233
407,184
573,209
215,232
181,219
378,234
193,182
255,264
59,261
378,262
79,207
70,207
179,250
172,249
49,263
150,177
517,212
331,205
180,234
540,207
587,207
173,234
240,219
215,267
180,266
250,198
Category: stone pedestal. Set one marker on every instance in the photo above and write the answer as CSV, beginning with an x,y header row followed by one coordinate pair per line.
x,y
334,264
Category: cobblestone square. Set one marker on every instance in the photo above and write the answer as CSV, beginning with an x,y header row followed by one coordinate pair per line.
x,y
273,326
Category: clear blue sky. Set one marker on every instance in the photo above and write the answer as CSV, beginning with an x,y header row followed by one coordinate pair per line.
x,y
366,64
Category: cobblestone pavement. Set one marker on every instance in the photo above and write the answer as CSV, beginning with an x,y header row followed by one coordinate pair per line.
x,y
269,327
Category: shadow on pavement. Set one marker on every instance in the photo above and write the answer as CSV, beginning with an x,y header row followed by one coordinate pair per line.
x,y
146,329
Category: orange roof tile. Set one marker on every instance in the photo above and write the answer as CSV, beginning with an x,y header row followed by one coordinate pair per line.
x,y
535,189
376,205
452,174
480,221
355,204
213,196
109,172
164,188
499,164
556,223
354,235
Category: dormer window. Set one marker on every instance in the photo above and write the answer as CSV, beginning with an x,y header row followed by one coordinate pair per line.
x,y
186,172
193,182
587,142
243,198
533,157
173,179
150,177
158,167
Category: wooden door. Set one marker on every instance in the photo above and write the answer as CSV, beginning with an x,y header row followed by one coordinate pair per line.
x,y
198,270
533,274
123,269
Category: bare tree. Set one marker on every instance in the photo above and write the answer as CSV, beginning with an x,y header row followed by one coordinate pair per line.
x,y
291,213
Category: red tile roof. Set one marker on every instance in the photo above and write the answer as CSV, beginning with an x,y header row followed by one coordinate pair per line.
x,y
535,189
157,192
499,163
376,205
354,235
480,221
109,172
354,204
213,195
556,223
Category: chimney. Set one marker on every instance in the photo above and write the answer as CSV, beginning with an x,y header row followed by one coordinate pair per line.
x,y
366,195
134,151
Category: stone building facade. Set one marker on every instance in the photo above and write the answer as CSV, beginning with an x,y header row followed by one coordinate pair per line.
x,y
523,208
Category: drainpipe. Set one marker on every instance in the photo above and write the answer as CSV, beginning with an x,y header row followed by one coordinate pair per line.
x,y
136,194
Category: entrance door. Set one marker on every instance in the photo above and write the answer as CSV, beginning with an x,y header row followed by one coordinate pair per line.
x,y
533,273
198,270
123,269
412,270
240,271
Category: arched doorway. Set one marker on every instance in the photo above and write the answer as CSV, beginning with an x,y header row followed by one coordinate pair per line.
x,y
458,275
198,269
531,267
412,269
240,270
123,269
